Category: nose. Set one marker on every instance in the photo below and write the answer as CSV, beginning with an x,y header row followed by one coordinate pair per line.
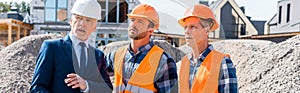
x,y
186,30
132,24
81,22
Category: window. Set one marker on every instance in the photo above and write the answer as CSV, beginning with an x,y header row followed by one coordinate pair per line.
x,y
55,10
243,29
279,14
288,13
113,11
50,15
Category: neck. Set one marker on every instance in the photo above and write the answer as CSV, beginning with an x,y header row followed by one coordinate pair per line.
x,y
135,44
199,50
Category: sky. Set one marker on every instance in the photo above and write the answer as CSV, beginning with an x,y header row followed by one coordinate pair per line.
x,y
256,9
259,9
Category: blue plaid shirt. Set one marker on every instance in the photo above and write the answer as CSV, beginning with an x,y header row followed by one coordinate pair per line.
x,y
166,75
227,78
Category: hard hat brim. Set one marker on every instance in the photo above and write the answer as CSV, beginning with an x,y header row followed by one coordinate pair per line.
x,y
182,22
136,15
81,14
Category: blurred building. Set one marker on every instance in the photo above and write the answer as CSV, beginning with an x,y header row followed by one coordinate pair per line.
x,y
287,18
284,24
12,28
53,16
234,24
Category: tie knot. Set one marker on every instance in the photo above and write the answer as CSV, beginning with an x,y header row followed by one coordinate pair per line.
x,y
82,44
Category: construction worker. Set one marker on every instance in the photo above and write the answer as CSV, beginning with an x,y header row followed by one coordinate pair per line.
x,y
70,64
205,70
141,66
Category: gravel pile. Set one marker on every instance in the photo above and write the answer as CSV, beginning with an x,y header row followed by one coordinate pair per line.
x,y
272,69
173,51
18,62
240,50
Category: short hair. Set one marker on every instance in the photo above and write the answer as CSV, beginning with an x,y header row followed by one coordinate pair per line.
x,y
206,22
151,24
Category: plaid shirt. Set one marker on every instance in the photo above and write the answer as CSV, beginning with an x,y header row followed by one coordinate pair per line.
x,y
227,77
166,75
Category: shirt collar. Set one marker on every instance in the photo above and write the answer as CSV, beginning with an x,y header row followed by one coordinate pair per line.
x,y
76,41
203,55
144,48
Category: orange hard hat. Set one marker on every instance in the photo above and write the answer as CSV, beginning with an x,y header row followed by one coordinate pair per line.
x,y
201,11
146,11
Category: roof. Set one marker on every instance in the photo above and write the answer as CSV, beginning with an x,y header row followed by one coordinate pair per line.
x,y
217,5
3,15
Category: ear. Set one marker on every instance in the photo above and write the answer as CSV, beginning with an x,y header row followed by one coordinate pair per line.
x,y
151,30
207,30
71,19
95,28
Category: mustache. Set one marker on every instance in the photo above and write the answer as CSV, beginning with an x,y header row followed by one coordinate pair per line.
x,y
133,28
82,30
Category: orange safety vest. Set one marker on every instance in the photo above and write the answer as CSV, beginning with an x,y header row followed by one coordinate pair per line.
x,y
207,76
142,79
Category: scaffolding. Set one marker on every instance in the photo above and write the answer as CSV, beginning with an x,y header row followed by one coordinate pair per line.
x,y
12,30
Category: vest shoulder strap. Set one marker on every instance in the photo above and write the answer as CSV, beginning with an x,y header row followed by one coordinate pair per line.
x,y
206,78
118,65
184,75
147,68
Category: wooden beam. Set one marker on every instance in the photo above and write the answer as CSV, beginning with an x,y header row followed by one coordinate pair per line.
x,y
25,32
271,35
18,32
9,38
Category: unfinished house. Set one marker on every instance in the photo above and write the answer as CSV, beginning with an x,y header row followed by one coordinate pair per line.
x,y
287,18
53,16
284,24
234,23
12,28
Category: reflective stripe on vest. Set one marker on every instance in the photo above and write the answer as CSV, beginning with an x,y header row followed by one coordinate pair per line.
x,y
207,76
137,82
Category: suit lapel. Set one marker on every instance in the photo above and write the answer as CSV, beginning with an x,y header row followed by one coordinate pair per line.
x,y
67,46
70,52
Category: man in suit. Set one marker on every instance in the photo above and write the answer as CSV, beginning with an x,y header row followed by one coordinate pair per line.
x,y
70,64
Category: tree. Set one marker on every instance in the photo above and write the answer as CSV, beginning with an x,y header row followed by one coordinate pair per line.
x,y
5,7
22,7
28,8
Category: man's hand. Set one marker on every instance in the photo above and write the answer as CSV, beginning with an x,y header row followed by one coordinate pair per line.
x,y
75,81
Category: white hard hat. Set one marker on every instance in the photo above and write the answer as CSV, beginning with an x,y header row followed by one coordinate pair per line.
x,y
88,8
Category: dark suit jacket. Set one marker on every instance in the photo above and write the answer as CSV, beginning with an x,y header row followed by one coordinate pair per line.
x,y
55,62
